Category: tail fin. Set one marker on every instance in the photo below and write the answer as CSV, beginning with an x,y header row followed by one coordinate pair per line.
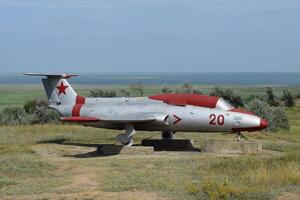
x,y
58,90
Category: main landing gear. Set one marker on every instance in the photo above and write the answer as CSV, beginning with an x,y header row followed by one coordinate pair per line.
x,y
126,138
167,135
239,136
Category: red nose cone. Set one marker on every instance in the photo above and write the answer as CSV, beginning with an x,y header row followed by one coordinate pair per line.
x,y
264,123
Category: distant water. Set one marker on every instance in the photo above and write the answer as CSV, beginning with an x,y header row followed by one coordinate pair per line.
x,y
169,78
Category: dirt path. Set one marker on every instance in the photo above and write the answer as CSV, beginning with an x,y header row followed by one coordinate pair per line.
x,y
290,195
83,182
91,195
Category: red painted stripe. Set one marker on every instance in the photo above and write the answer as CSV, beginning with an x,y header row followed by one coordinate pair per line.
x,y
187,99
76,110
80,101
80,119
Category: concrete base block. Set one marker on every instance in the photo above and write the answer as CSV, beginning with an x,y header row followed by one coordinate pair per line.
x,y
225,147
169,145
123,150
137,150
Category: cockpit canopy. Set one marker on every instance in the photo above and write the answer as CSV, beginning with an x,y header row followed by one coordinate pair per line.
x,y
223,105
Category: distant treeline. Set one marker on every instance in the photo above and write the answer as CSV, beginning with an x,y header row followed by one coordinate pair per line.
x,y
268,106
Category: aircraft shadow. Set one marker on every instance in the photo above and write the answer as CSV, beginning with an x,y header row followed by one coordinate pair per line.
x,y
105,150
101,150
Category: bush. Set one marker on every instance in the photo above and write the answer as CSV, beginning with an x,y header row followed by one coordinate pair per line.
x,y
124,93
14,116
275,115
40,112
197,91
33,112
137,88
187,88
288,98
228,95
251,97
279,119
271,99
220,190
103,93
166,89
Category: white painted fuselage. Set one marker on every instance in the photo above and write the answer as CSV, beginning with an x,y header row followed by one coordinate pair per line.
x,y
175,118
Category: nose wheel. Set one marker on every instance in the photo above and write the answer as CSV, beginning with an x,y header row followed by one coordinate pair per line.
x,y
239,136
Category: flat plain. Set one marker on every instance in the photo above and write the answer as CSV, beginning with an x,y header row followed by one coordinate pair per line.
x,y
60,161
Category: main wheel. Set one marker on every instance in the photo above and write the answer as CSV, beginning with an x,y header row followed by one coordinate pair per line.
x,y
125,140
167,135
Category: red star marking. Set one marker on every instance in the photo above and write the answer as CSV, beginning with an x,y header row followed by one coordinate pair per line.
x,y
62,88
178,119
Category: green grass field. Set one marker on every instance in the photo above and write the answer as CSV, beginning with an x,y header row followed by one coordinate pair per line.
x,y
57,162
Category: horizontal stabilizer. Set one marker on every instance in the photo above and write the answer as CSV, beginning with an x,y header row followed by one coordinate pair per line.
x,y
51,75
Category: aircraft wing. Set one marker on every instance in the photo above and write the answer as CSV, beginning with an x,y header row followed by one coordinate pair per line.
x,y
129,118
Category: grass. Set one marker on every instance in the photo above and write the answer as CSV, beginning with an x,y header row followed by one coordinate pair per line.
x,y
192,176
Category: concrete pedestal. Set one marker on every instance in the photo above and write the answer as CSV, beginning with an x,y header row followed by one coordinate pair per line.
x,y
113,149
169,145
225,147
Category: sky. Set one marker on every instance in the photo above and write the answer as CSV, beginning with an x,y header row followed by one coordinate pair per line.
x,y
149,36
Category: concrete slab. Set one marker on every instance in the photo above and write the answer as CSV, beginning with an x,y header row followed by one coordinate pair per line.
x,y
244,148
170,145
113,149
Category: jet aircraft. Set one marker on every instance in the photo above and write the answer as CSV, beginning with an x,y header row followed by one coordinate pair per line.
x,y
167,113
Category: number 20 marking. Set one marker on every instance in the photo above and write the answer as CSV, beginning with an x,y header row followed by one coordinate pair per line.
x,y
214,119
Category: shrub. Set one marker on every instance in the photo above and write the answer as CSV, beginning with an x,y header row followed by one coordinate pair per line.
x,y
14,116
137,88
251,97
288,98
166,89
187,88
220,190
228,95
275,115
216,91
197,91
103,93
124,93
271,99
33,112
40,113
279,119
